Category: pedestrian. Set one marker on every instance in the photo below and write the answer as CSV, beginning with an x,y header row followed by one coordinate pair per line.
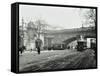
x,y
38,43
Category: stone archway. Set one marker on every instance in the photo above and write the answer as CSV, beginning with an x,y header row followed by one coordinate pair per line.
x,y
72,39
69,40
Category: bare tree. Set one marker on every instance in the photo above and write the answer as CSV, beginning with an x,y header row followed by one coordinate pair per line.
x,y
41,27
89,16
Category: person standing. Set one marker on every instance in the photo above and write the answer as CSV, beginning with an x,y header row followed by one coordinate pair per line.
x,y
38,43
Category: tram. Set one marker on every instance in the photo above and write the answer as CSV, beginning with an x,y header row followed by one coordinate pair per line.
x,y
88,43
81,45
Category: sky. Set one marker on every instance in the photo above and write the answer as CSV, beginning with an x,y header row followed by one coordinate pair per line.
x,y
61,17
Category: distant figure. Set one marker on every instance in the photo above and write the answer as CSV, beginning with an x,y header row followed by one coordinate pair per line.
x,y
68,47
38,43
21,49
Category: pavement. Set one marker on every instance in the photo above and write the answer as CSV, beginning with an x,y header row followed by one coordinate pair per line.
x,y
57,59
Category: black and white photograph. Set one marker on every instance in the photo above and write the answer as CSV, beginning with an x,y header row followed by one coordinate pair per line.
x,y
54,38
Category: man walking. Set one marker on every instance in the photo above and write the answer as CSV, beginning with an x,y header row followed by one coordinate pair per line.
x,y
38,43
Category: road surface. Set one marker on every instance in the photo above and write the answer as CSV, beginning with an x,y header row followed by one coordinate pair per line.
x,y
56,60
